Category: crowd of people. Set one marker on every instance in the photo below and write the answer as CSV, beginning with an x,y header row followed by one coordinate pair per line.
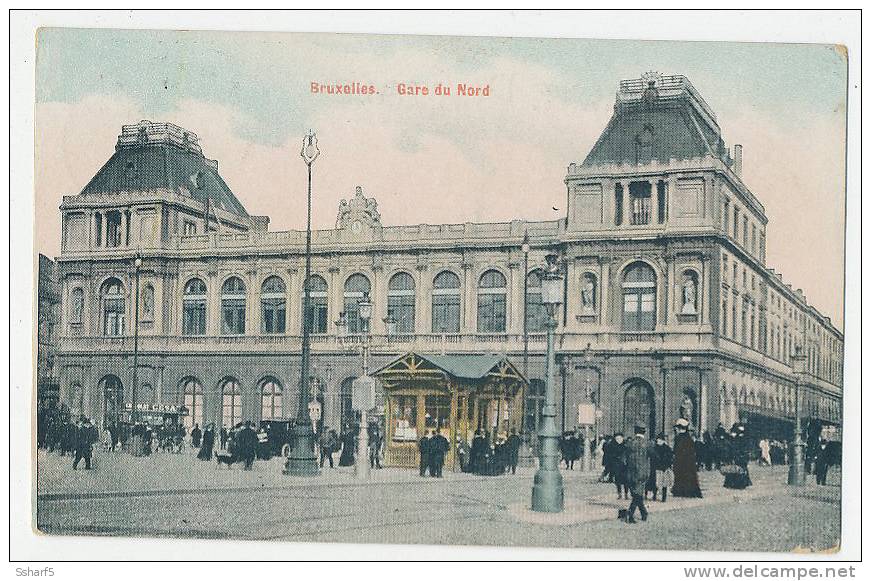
x,y
669,470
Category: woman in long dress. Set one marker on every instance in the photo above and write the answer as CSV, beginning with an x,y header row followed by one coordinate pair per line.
x,y
737,475
208,444
686,476
348,448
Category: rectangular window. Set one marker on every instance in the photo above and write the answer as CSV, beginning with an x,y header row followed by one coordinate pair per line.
x,y
726,217
662,205
735,223
274,315
753,249
438,412
445,313
745,233
404,412
317,319
491,313
401,308
618,205
642,207
194,317
233,316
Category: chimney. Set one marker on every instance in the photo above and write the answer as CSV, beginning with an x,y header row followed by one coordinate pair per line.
x,y
739,160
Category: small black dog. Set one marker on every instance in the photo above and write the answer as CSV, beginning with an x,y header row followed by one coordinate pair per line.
x,y
225,459
623,514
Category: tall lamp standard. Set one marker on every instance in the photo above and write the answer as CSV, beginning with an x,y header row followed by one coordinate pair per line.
x,y
301,461
547,490
525,249
137,265
361,466
796,467
588,452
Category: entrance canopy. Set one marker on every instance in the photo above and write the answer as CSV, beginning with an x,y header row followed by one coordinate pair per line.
x,y
454,394
484,374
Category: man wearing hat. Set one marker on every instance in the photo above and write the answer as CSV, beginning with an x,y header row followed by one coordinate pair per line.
x,y
637,472
686,477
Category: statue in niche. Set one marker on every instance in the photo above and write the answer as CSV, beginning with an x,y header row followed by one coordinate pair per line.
x,y
588,296
689,296
686,409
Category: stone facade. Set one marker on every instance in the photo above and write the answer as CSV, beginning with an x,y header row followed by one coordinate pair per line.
x,y
670,306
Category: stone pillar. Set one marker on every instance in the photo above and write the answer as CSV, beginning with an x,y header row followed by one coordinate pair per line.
x,y
122,228
335,298
671,290
469,305
379,301
213,304
252,303
423,301
663,407
703,400
654,202
627,204
515,298
605,293
294,302
104,224
158,376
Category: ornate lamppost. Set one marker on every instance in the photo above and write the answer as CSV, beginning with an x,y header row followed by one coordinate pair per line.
x,y
796,467
302,460
361,466
547,490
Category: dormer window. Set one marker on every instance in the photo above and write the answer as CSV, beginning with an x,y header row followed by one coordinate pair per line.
x,y
644,145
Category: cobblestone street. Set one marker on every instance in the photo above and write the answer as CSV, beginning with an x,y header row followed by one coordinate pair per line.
x,y
177,495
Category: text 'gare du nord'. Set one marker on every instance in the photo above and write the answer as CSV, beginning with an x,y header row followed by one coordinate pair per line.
x,y
670,307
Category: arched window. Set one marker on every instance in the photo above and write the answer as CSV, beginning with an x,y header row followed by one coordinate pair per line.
x,y
491,302
271,406
231,402
356,287
400,301
77,306
273,305
147,304
192,399
446,303
317,315
536,314
194,308
112,296
639,298
233,306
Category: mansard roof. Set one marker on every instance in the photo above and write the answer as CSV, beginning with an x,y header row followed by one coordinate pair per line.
x,y
663,114
150,156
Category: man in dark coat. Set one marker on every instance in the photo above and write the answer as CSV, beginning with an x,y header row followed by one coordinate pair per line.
x,y
661,475
514,443
196,436
478,453
147,438
247,444
208,444
423,447
686,476
375,440
637,472
825,457
618,466
85,438
438,447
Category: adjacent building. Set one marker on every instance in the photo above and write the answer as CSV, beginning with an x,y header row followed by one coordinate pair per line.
x,y
671,309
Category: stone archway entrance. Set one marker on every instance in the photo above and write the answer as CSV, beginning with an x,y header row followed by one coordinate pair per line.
x,y
639,406
112,391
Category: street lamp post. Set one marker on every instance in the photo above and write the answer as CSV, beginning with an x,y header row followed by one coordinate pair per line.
x,y
302,461
525,249
547,490
796,467
361,466
137,264
588,451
